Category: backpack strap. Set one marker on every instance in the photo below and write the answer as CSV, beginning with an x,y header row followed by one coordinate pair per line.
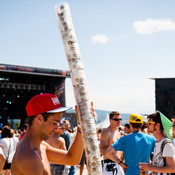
x,y
161,151
163,144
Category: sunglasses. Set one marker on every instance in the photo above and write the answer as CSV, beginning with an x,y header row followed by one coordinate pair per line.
x,y
173,125
116,119
61,128
149,122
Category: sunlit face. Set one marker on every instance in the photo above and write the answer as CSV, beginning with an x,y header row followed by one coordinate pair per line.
x,y
116,120
173,130
50,125
67,125
61,130
151,126
127,130
99,136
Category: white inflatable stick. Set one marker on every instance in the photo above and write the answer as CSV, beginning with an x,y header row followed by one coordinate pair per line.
x,y
80,88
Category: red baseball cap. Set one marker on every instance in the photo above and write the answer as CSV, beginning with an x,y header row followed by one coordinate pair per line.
x,y
44,103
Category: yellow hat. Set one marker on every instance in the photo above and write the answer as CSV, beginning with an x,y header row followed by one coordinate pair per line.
x,y
136,118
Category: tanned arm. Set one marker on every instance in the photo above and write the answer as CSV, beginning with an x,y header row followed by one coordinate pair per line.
x,y
111,154
71,157
104,143
169,168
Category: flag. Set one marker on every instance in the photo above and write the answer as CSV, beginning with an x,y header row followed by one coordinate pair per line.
x,y
167,126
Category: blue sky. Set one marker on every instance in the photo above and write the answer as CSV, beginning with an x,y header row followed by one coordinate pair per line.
x,y
123,43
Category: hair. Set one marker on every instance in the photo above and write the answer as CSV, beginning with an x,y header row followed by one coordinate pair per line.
x,y
67,125
156,118
136,125
31,118
119,128
173,119
113,113
127,125
6,132
66,121
99,131
24,127
12,132
143,126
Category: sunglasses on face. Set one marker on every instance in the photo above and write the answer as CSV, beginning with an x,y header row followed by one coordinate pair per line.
x,y
116,119
149,122
61,128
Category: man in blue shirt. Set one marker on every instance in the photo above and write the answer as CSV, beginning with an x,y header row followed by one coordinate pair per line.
x,y
136,147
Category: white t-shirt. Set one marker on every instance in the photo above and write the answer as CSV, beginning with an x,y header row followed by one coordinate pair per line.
x,y
168,151
174,141
7,143
1,151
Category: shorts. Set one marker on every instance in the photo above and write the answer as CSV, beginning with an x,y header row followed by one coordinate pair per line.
x,y
83,159
57,169
7,166
111,168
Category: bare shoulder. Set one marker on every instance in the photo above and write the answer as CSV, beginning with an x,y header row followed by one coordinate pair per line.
x,y
105,136
105,133
47,147
61,139
44,145
27,161
33,161
61,143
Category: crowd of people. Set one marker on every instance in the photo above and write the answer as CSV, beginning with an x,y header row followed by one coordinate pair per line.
x,y
39,148
141,148
45,145
60,138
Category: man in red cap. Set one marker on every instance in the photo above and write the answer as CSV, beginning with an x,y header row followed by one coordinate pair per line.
x,y
33,154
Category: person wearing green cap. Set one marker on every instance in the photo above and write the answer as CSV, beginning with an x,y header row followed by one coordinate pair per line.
x,y
136,147
163,162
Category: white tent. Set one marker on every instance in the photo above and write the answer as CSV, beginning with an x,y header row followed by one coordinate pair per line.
x,y
104,123
145,118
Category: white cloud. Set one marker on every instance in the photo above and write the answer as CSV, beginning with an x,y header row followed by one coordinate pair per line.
x,y
150,26
99,38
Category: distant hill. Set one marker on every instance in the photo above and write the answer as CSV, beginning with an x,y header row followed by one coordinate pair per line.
x,y
101,114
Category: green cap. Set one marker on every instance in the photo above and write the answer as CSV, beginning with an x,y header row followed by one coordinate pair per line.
x,y
167,126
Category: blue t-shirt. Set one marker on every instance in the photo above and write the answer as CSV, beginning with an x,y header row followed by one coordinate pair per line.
x,y
136,148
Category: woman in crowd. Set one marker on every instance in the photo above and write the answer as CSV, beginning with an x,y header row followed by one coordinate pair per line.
x,y
8,144
2,160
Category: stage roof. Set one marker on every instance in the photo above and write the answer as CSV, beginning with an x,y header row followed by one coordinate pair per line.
x,y
8,68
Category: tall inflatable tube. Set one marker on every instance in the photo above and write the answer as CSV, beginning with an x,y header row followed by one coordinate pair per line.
x,y
80,88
